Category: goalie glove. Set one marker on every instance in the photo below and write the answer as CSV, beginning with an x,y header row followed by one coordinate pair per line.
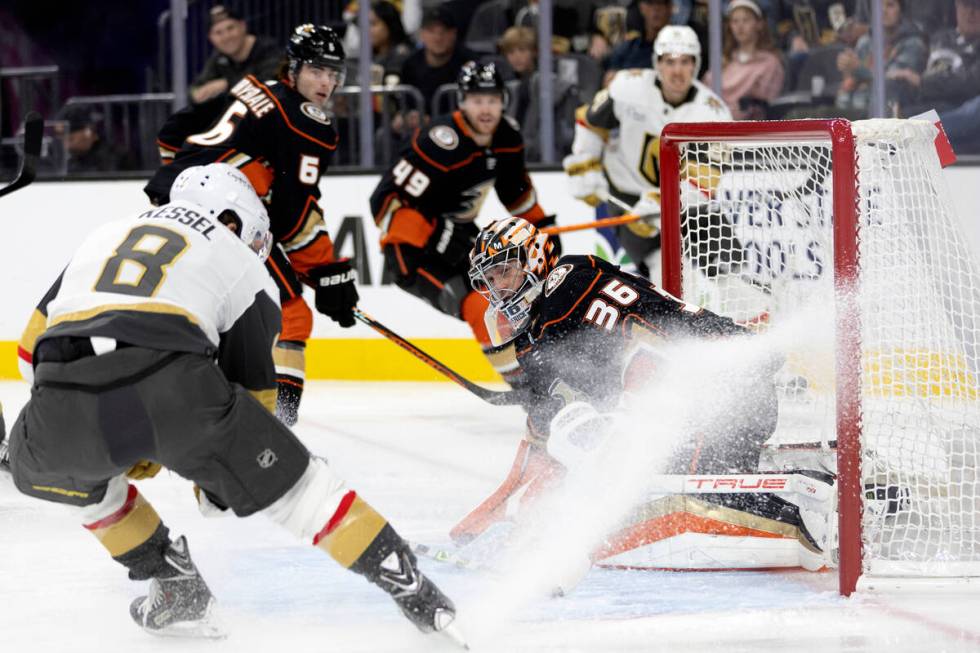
x,y
577,431
336,292
648,208
586,181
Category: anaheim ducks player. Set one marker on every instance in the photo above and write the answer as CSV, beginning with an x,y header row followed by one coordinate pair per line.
x,y
587,335
426,204
617,137
125,377
278,134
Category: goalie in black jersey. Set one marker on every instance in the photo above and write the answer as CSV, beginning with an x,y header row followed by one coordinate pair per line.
x,y
426,204
589,336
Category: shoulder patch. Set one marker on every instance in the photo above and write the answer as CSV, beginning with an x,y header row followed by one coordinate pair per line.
x,y
556,277
444,136
314,112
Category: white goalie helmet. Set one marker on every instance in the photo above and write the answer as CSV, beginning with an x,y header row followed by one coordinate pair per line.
x,y
219,187
677,40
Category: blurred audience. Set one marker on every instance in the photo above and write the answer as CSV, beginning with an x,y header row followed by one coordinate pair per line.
x,y
439,59
390,45
905,56
88,151
637,52
519,46
236,53
952,74
752,70
962,125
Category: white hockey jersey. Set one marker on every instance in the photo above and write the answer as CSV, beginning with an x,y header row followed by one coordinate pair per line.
x,y
624,122
171,279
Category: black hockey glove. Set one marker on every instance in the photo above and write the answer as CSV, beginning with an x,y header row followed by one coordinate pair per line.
x,y
336,292
549,221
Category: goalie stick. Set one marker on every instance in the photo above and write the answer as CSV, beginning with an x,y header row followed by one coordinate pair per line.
x,y
490,396
33,131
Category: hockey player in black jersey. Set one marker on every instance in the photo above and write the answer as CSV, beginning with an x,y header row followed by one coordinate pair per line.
x,y
279,135
588,335
426,204
157,351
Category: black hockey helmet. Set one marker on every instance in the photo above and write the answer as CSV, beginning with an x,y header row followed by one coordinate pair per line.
x,y
317,45
480,78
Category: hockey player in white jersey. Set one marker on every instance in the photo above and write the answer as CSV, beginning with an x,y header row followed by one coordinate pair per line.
x,y
616,150
154,348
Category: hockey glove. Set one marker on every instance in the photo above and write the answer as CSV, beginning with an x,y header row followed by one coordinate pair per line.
x,y
336,292
549,221
648,207
586,181
577,431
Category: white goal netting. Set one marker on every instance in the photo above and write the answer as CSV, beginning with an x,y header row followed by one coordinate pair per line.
x,y
758,245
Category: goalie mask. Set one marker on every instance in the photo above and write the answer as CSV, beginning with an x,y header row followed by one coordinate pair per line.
x,y
225,194
508,266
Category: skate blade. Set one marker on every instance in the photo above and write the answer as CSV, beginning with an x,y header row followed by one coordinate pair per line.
x,y
454,635
207,627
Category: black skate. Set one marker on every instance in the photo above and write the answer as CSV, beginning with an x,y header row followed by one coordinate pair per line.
x,y
420,600
179,605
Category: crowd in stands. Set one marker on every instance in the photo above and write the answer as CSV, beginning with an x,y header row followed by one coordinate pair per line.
x,y
780,58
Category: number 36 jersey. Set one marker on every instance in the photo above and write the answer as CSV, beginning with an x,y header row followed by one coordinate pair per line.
x,y
588,325
174,280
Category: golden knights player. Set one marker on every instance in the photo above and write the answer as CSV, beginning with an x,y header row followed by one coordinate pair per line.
x,y
126,379
586,334
617,137
278,134
426,204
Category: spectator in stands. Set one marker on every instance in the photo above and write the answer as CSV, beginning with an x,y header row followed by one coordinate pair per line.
x,y
930,17
390,45
236,54
752,70
88,151
905,52
952,75
638,52
519,45
807,25
440,58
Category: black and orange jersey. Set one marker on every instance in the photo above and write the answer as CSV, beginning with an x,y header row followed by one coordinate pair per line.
x,y
589,322
278,139
443,173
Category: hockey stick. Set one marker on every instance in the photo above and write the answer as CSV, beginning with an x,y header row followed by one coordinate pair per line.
x,y
490,396
33,131
597,224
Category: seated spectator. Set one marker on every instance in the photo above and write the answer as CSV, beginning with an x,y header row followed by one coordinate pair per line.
x,y
88,151
905,52
807,25
236,54
952,74
519,45
930,17
637,52
390,46
563,22
439,59
751,66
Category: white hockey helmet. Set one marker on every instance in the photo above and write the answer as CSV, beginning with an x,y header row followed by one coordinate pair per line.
x,y
677,40
219,187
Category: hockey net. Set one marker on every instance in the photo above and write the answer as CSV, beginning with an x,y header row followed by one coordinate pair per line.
x,y
844,234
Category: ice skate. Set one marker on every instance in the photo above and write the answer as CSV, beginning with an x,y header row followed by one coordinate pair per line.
x,y
179,605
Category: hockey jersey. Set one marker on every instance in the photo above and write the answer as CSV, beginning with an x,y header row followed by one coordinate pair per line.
x,y
622,126
172,279
443,173
589,320
278,139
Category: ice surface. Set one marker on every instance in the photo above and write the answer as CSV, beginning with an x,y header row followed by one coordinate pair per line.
x,y
424,454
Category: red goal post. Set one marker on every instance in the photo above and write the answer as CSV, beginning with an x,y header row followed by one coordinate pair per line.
x,y
740,179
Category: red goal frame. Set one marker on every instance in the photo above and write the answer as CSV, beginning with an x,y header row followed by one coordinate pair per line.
x,y
839,135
